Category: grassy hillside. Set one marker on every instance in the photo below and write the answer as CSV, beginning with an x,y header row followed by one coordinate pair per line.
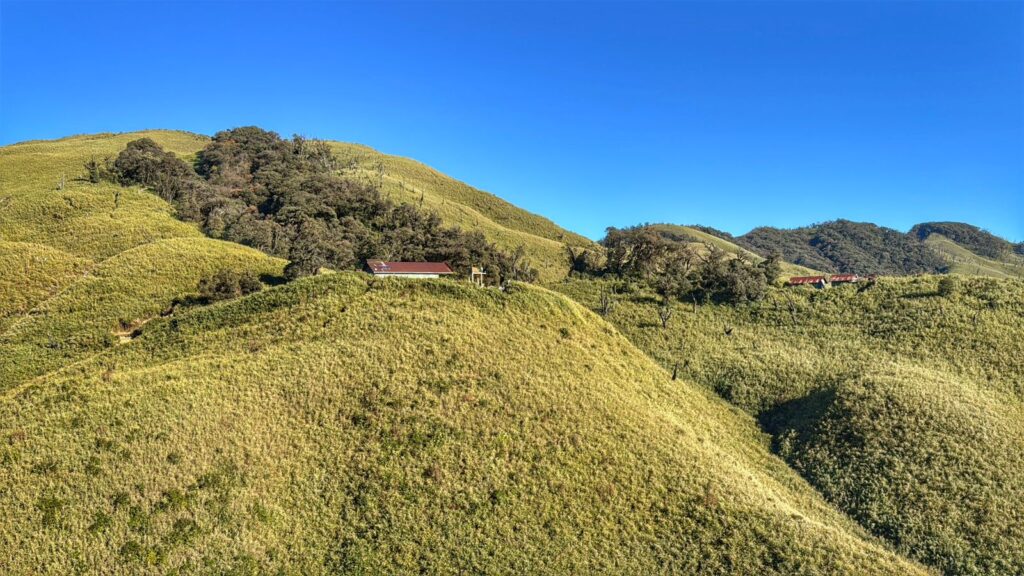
x,y
901,406
963,261
341,424
691,234
459,204
31,274
89,261
972,238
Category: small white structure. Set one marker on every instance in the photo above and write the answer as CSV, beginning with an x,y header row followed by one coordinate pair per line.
x,y
408,269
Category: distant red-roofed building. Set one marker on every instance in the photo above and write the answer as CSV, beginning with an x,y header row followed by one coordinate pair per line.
x,y
816,281
408,269
843,278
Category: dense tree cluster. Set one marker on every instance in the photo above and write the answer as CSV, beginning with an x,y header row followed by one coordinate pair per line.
x,y
844,246
684,270
291,198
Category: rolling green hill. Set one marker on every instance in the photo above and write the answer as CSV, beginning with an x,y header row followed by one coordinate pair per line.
x,y
341,424
844,246
962,261
88,261
903,407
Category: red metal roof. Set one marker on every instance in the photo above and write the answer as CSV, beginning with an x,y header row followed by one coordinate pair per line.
x,y
806,279
844,278
380,267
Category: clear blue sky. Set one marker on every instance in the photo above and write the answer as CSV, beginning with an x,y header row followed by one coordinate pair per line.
x,y
727,114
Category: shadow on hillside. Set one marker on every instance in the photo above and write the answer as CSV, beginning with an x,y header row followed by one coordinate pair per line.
x,y
272,280
798,416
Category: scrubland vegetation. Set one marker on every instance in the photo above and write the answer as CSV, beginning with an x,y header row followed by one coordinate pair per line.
x,y
900,402
293,199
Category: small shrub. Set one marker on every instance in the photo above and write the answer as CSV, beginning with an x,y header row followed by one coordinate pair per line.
x,y
227,284
100,521
948,287
51,507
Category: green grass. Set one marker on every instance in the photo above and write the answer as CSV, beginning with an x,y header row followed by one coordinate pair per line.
x,y
113,298
459,204
92,260
341,424
32,273
963,261
901,406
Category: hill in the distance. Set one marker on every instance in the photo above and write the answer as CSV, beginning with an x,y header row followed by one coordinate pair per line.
x,y
864,248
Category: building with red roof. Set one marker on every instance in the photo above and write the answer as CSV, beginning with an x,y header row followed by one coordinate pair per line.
x,y
816,281
408,269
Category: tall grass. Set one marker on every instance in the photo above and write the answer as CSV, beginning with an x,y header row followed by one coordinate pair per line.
x,y
345,424
901,405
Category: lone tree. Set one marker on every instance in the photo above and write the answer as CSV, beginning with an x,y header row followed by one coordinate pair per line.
x,y
665,312
606,302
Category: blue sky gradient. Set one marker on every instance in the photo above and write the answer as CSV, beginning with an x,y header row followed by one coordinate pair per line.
x,y
729,114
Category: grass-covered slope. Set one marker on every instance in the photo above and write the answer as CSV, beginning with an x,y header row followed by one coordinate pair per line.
x,y
343,425
903,407
85,262
459,204
32,273
963,261
94,221
112,299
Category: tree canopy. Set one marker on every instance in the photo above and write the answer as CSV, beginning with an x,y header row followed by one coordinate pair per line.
x,y
293,199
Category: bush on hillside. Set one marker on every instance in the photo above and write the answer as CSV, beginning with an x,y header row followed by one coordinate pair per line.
x,y
227,284
947,286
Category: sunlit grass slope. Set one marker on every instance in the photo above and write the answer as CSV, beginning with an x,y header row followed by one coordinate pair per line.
x,y
459,204
88,220
902,406
90,260
32,273
344,425
693,235
963,261
115,296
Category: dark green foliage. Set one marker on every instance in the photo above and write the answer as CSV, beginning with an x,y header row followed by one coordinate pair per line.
x,y
971,237
844,246
96,171
677,269
292,199
227,284
144,162
50,507
637,252
947,287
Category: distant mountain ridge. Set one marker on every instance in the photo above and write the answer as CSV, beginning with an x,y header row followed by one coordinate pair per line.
x,y
866,248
